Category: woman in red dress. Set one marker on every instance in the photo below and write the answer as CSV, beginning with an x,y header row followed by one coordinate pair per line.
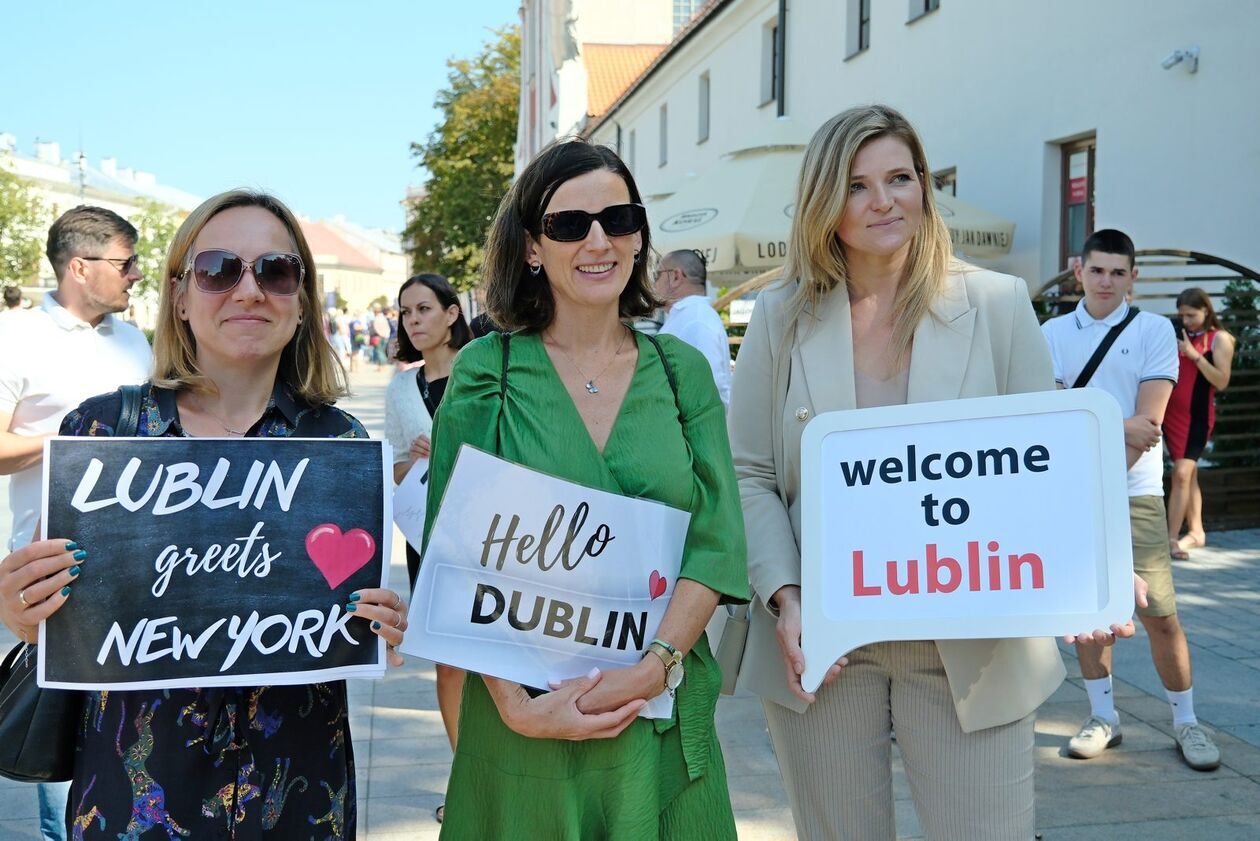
x,y
1207,354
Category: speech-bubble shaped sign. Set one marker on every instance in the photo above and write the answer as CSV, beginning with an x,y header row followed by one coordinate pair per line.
x,y
965,519
533,578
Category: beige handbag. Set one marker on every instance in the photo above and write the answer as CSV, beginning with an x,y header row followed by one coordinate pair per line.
x,y
730,648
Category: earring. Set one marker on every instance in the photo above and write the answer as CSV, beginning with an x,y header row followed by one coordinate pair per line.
x,y
636,258
535,270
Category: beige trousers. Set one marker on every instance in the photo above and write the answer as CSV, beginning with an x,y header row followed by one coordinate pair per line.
x,y
837,765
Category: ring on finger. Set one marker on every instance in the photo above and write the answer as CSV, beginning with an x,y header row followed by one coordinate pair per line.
x,y
397,602
22,598
397,619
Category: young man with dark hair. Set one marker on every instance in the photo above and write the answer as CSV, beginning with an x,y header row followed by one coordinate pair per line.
x,y
55,357
680,284
1139,370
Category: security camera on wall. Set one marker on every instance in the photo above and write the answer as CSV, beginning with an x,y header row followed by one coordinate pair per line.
x,y
1190,55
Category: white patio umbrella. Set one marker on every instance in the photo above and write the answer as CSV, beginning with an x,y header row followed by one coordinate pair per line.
x,y
738,214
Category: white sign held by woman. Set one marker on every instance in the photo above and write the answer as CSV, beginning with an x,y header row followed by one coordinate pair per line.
x,y
534,579
983,518
410,499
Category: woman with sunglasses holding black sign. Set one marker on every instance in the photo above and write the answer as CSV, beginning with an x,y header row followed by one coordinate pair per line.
x,y
239,352
578,395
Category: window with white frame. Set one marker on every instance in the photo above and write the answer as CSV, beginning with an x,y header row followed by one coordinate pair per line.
x,y
702,129
858,28
770,81
630,152
684,11
664,134
919,8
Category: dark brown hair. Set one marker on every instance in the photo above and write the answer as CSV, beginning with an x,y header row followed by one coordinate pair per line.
x,y
447,297
518,300
1200,300
84,231
1109,241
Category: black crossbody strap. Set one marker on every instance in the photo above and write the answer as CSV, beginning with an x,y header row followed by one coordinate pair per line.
x,y
507,345
129,415
1105,345
669,371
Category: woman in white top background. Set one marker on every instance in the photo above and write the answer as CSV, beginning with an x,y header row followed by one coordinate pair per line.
x,y
431,330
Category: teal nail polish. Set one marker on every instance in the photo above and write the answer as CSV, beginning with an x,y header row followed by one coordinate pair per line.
x,y
80,555
75,570
65,591
376,626
352,607
354,597
71,546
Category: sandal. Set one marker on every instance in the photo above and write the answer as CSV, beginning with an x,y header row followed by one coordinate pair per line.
x,y
1176,552
1192,540
439,812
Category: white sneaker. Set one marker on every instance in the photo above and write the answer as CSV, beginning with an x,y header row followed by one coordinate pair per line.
x,y
1197,748
1095,737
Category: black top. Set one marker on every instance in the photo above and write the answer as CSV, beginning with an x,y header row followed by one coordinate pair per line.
x,y
430,392
242,763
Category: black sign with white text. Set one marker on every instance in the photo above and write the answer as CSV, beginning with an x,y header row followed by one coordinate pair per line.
x,y
214,562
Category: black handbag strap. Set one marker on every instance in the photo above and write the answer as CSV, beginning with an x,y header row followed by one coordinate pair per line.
x,y
669,371
129,414
507,348
1105,345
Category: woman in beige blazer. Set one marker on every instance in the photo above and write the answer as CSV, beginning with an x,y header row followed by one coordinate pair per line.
x,y
875,311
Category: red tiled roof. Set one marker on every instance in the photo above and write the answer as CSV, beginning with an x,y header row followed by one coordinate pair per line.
x,y
326,243
702,17
611,68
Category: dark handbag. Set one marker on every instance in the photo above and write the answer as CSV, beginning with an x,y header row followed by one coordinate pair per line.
x,y
38,727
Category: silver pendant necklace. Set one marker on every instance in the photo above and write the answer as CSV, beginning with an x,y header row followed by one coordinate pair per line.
x,y
589,385
238,433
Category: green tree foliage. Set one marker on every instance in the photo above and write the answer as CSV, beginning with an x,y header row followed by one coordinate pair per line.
x,y
156,225
22,227
469,160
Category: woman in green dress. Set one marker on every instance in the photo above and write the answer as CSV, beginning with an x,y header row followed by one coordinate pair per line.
x,y
577,394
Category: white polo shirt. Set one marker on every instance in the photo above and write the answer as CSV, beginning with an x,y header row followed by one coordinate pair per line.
x,y
694,320
1146,350
50,362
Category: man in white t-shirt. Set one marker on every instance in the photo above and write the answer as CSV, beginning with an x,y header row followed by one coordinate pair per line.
x,y
680,283
55,357
1139,370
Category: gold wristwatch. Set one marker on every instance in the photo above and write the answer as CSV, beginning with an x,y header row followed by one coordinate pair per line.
x,y
672,658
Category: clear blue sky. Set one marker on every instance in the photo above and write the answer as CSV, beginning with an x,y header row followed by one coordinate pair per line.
x,y
316,101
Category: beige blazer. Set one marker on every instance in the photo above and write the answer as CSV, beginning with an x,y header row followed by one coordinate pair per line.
x,y
980,339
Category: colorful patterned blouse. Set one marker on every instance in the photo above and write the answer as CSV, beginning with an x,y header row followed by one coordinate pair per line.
x,y
250,762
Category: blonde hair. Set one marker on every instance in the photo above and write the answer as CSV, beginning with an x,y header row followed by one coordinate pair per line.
x,y
308,364
815,253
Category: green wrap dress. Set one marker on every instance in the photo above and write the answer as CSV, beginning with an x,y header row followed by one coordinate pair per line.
x,y
660,779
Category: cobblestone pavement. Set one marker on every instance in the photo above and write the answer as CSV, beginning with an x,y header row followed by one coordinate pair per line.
x,y
1140,790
